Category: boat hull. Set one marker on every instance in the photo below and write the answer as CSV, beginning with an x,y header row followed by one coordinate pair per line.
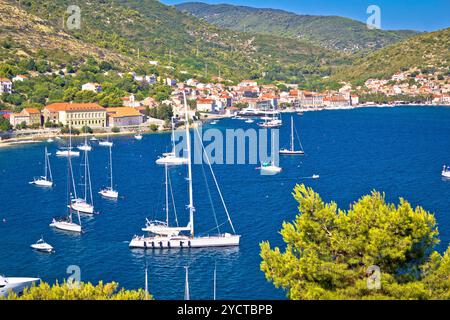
x,y
110,194
67,153
17,285
172,161
105,144
82,206
66,226
270,170
84,148
182,242
291,153
42,248
42,183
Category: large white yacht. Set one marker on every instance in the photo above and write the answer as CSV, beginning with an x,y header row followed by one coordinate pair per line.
x,y
16,285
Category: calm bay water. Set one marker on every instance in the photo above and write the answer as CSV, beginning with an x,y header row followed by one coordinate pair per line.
x,y
399,151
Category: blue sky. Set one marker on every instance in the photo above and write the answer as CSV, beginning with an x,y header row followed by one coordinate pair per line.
x,y
395,14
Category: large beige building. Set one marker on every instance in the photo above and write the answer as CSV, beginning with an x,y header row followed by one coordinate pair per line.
x,y
76,115
29,116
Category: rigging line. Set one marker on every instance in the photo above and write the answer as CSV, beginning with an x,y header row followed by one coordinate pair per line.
x,y
205,233
215,181
298,138
210,198
158,203
173,200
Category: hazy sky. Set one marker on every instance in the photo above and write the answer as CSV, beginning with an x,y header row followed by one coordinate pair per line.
x,y
395,14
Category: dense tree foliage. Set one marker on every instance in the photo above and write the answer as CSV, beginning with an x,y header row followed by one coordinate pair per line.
x,y
83,291
330,252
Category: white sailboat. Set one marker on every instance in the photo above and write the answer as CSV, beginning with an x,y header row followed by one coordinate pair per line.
x,y
163,227
16,285
85,146
66,223
82,204
292,151
106,143
270,168
164,238
171,158
109,192
46,180
68,152
42,246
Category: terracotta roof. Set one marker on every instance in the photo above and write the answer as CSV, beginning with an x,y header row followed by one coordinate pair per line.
x,y
205,101
31,110
119,112
66,106
4,80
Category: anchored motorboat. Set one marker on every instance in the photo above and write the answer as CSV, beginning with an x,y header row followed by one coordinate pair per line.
x,y
446,172
42,246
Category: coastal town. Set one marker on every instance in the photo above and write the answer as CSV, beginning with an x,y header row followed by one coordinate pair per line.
x,y
216,99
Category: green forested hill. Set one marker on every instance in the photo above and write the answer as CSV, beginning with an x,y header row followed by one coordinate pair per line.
x,y
132,32
429,53
332,32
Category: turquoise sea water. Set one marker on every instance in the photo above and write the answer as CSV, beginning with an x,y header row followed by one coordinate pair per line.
x,y
399,151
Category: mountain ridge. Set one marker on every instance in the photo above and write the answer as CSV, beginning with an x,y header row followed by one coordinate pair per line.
x,y
332,32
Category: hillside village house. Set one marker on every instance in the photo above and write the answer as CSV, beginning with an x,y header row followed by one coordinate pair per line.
x,y
77,115
5,86
130,101
123,116
206,105
20,78
29,116
94,87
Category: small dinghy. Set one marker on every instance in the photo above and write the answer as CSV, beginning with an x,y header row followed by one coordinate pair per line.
x,y
42,246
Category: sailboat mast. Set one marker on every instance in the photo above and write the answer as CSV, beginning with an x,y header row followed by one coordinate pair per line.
x,y
173,135
111,166
273,147
191,192
45,167
85,175
70,162
89,179
167,196
292,133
